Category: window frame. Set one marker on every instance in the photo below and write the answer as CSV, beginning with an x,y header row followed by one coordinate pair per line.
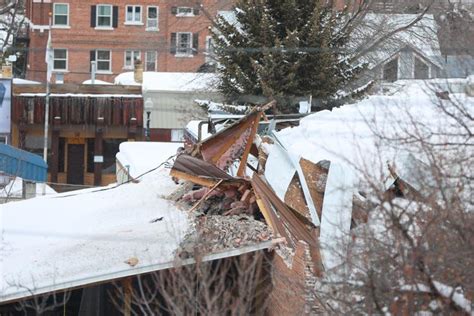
x,y
97,16
155,61
133,51
133,22
184,14
189,50
394,58
109,71
209,53
157,19
419,58
54,15
60,59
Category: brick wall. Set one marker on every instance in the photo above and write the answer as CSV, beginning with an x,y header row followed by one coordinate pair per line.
x,y
293,285
80,38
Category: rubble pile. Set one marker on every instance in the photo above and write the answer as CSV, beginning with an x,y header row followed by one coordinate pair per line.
x,y
218,232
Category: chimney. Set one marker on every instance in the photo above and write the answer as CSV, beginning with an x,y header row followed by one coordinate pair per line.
x,y
138,71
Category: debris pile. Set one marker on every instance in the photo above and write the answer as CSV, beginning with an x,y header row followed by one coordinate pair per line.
x,y
283,197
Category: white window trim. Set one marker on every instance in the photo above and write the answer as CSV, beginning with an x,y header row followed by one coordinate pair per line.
x,y
67,61
67,15
125,58
415,57
104,27
157,19
133,22
97,62
208,55
178,54
191,14
156,60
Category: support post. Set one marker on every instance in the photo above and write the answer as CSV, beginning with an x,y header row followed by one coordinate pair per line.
x,y
127,299
98,151
132,129
55,150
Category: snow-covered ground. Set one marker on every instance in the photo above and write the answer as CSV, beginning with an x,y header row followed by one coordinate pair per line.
x,y
81,237
15,189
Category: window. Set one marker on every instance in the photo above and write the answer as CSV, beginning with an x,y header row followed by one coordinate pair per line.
x,y
104,15
390,70
177,135
150,60
152,19
185,11
111,148
3,139
103,60
183,44
60,59
130,57
61,14
210,55
422,70
133,14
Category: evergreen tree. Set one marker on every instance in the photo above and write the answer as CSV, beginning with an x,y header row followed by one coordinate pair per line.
x,y
285,50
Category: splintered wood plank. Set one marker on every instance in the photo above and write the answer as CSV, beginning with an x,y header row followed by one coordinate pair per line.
x,y
206,182
248,146
316,177
294,197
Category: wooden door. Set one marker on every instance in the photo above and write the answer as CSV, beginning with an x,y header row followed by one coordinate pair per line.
x,y
75,164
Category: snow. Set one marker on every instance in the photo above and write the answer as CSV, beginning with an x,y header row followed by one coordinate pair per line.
x,y
349,134
24,81
141,157
220,107
193,128
97,82
279,170
81,95
82,237
336,214
171,81
15,188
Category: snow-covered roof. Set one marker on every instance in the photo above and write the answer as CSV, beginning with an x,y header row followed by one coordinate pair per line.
x,y
359,139
82,237
348,134
140,157
421,37
81,95
24,81
89,81
171,81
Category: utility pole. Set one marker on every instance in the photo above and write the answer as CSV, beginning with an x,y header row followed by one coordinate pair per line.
x,y
48,60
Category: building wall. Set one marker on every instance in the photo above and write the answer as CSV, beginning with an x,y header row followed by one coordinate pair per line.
x,y
80,38
173,110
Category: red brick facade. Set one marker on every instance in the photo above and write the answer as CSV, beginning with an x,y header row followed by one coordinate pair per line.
x,y
80,34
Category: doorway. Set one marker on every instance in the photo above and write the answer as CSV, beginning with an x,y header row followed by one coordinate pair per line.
x,y
75,163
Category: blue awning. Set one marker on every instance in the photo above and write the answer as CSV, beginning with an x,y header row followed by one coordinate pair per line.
x,y
17,162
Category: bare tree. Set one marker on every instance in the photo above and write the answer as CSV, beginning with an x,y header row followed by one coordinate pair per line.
x,y
416,251
11,23
230,286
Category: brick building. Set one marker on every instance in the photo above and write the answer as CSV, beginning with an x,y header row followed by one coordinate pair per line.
x,y
167,35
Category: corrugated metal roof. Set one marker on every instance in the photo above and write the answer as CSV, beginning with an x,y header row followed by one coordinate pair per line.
x,y
17,162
